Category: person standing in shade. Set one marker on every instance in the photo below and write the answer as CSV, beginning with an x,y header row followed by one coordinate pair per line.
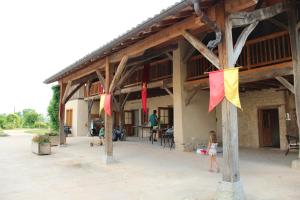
x,y
153,124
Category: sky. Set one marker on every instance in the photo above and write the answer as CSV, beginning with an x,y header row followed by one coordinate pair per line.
x,y
39,38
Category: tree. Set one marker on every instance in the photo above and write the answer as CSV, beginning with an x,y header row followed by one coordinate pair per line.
x,y
30,117
12,121
53,108
2,120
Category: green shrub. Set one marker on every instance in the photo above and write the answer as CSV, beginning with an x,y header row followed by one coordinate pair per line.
x,y
41,125
41,139
29,118
2,120
12,121
53,108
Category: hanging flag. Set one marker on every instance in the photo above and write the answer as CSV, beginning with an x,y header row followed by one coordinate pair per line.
x,y
107,104
145,80
102,100
144,97
231,83
224,83
100,89
216,85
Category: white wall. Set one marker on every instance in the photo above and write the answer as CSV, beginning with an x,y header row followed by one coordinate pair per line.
x,y
79,118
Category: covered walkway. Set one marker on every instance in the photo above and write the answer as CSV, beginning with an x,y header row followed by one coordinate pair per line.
x,y
144,171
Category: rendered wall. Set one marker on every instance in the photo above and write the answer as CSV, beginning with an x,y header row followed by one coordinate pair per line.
x,y
199,121
79,118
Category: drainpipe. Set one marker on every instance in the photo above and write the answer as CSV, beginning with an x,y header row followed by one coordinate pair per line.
x,y
205,19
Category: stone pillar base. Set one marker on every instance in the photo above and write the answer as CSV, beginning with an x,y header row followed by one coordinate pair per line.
x,y
296,164
230,191
108,159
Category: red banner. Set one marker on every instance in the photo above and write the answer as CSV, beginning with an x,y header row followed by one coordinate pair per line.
x,y
100,89
217,90
144,97
107,104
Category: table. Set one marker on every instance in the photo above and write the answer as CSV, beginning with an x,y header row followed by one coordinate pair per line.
x,y
143,127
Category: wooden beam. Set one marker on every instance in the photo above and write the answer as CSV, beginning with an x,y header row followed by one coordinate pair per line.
x,y
101,78
192,50
66,92
156,84
242,40
84,71
118,73
158,38
251,75
191,96
62,136
108,145
127,75
246,18
168,91
230,170
295,48
237,5
286,83
278,24
208,54
169,55
125,100
72,91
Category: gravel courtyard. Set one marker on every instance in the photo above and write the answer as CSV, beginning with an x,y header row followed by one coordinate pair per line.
x,y
143,171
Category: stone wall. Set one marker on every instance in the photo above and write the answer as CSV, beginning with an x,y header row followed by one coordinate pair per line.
x,y
248,117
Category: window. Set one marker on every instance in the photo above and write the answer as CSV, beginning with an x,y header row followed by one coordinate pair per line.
x,y
163,115
128,117
145,118
69,117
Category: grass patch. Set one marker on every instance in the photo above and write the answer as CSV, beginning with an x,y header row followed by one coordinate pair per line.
x,y
38,131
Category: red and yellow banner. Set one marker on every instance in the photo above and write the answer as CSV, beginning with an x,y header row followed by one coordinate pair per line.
x,y
105,103
224,83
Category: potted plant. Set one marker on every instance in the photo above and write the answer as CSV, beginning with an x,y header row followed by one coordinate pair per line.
x,y
54,139
41,145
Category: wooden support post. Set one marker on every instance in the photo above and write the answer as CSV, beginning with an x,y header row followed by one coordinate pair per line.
x,y
62,136
231,186
295,47
90,106
208,54
108,156
286,83
179,75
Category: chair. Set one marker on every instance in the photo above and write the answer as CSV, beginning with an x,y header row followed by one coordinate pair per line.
x,y
169,135
293,143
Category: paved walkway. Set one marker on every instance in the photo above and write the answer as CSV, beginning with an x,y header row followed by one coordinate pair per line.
x,y
143,172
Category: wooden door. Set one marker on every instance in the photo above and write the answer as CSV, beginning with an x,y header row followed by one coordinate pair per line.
x,y
269,128
129,119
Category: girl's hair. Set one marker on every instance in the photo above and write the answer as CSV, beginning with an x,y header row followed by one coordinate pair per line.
x,y
213,136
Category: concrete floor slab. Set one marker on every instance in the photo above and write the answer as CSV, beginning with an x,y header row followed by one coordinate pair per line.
x,y
142,171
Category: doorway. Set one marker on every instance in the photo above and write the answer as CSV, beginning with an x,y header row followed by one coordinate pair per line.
x,y
269,128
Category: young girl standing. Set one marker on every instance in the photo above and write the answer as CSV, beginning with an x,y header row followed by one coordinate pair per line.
x,y
212,151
